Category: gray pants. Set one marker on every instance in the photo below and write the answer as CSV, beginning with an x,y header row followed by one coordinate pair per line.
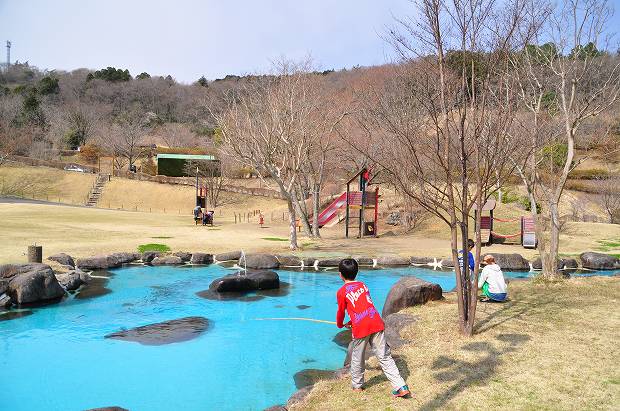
x,y
381,351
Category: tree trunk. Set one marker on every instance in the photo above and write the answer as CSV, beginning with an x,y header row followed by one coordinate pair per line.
x,y
316,203
550,265
292,224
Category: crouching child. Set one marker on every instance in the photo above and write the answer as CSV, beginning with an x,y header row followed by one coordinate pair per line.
x,y
367,329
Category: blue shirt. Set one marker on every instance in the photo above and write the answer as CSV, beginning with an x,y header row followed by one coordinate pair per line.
x,y
470,259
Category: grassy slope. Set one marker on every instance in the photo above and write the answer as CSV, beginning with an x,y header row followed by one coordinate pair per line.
x,y
48,183
551,347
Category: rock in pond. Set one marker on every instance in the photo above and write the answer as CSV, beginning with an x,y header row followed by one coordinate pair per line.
x,y
71,280
393,260
34,286
310,376
167,260
343,338
599,261
113,408
201,258
167,332
410,291
249,281
511,262
62,258
232,255
183,255
12,315
5,301
95,286
259,262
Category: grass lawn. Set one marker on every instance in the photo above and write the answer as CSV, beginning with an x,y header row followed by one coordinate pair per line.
x,y
552,347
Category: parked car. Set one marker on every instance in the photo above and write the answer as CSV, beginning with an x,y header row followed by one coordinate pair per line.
x,y
73,167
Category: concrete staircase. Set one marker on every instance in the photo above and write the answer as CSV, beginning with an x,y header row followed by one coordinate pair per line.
x,y
97,190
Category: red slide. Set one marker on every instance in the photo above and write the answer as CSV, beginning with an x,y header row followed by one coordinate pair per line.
x,y
331,210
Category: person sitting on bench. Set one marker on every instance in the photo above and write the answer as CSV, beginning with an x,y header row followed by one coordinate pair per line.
x,y
197,210
491,280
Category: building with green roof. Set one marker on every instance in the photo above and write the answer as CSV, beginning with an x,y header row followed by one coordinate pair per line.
x,y
184,165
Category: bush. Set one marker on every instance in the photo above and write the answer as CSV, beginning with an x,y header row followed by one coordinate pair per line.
x,y
554,154
90,153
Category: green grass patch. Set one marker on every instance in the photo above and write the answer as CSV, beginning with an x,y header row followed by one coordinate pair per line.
x,y
160,237
274,239
153,247
607,245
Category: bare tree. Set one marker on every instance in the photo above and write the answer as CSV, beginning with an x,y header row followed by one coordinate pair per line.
x,y
563,83
440,126
610,199
124,138
267,127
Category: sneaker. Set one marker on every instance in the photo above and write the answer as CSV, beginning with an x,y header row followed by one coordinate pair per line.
x,y
401,392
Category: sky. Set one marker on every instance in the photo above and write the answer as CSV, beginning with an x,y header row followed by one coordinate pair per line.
x,y
191,38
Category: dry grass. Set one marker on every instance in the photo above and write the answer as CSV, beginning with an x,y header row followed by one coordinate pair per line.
x,y
552,347
46,184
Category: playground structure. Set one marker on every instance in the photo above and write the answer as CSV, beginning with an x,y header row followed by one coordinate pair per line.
x,y
526,235
357,205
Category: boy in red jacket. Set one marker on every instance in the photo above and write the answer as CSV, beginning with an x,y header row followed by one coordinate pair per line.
x,y
367,328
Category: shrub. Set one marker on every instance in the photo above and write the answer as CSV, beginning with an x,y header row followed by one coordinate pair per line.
x,y
90,153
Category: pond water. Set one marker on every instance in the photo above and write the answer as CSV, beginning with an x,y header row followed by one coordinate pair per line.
x,y
56,358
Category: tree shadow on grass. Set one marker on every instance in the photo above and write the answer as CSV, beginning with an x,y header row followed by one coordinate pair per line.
x,y
465,374
403,368
511,310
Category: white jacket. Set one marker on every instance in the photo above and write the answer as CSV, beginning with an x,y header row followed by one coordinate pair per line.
x,y
493,275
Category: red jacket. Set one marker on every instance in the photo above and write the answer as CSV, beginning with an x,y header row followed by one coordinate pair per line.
x,y
365,319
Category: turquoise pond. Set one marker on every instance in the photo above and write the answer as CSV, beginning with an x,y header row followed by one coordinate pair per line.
x,y
57,359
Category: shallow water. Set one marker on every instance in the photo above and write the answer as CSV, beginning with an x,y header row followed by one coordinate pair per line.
x,y
57,358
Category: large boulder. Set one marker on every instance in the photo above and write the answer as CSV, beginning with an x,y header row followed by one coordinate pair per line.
x,y
512,262
167,332
201,258
259,261
103,262
62,258
365,261
36,285
392,260
330,262
183,255
410,291
569,263
71,280
421,260
124,258
244,282
599,261
289,261
394,323
537,264
229,256
149,256
98,262
167,260
4,285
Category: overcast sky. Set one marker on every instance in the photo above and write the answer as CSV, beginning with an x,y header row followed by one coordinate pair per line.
x,y
191,38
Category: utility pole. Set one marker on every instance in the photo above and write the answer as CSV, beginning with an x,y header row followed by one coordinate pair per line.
x,y
8,54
